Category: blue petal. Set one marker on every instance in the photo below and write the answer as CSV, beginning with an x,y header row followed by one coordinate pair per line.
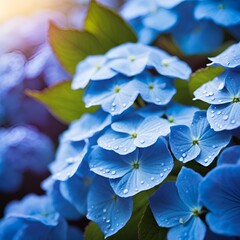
x,y
151,110
213,91
76,189
129,59
155,89
219,13
224,207
169,66
211,143
153,169
167,207
128,124
121,143
193,229
93,67
199,124
230,58
112,100
161,21
87,126
169,4
101,162
224,117
68,158
181,142
192,39
230,155
180,114
63,206
150,130
187,183
105,208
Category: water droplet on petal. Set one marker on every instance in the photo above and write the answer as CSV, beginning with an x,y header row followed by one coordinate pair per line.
x,y
104,210
113,104
184,155
181,159
113,172
225,117
124,105
161,174
125,191
142,182
233,121
142,141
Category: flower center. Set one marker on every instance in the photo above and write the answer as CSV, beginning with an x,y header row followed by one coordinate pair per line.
x,y
165,62
117,89
132,58
195,141
196,211
150,86
236,99
171,119
135,165
134,135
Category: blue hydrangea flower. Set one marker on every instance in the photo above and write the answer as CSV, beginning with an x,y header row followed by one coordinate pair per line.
x,y
108,210
169,66
190,34
198,141
175,113
92,68
69,157
26,149
126,135
34,208
222,12
177,206
114,95
129,59
87,126
224,113
220,194
230,58
230,155
132,173
11,71
34,217
152,16
44,64
76,189
60,204
155,89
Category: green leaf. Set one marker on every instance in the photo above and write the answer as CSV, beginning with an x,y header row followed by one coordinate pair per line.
x,y
183,95
148,228
204,75
72,46
63,102
108,26
93,232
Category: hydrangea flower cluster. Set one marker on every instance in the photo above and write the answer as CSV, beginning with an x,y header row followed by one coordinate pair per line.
x,y
187,22
142,142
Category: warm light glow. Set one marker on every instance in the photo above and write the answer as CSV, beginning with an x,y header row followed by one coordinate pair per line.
x,y
12,8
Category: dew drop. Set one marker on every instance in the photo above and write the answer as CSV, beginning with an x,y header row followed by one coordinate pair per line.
x,y
115,147
107,170
184,155
219,112
212,115
225,117
181,159
113,109
158,100
107,221
206,160
233,121
124,105
152,178
181,220
142,141
114,104
104,210
113,172
125,191
161,174
142,182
